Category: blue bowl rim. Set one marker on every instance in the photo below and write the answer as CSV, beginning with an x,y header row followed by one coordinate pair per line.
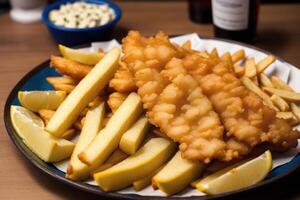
x,y
49,8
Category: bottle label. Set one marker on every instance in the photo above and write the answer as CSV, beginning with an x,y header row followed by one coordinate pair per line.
x,y
231,14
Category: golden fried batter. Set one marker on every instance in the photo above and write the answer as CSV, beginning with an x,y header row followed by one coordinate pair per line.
x,y
123,80
115,100
242,112
173,98
70,68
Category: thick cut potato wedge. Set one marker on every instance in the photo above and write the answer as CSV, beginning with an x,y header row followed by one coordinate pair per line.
x,y
116,157
145,181
254,88
43,144
287,95
87,89
91,126
280,84
177,174
108,138
150,157
84,57
133,137
237,176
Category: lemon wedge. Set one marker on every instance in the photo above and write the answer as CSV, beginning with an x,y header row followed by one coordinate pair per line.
x,y
237,176
28,126
84,57
37,100
18,112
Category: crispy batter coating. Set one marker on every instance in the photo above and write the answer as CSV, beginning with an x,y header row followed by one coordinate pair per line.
x,y
242,112
115,100
123,79
70,68
173,98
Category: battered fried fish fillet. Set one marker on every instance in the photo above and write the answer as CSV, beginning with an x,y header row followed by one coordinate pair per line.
x,y
242,112
173,98
123,79
70,68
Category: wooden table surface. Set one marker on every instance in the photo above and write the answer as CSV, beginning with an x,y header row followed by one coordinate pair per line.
x,y
24,46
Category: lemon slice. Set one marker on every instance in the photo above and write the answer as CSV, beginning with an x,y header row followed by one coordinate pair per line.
x,y
28,126
237,176
84,57
36,100
19,113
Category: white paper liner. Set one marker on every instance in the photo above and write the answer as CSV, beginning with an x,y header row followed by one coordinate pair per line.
x,y
285,71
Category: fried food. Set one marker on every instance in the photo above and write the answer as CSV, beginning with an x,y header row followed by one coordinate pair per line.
x,y
173,98
115,100
70,68
189,94
46,115
243,113
61,80
123,79
64,87
264,63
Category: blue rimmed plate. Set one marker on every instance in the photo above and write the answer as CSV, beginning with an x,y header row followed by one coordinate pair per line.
x,y
35,80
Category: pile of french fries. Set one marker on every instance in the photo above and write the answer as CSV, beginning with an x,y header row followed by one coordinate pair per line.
x,y
275,93
116,146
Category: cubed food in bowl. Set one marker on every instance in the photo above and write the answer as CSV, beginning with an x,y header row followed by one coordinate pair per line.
x,y
82,15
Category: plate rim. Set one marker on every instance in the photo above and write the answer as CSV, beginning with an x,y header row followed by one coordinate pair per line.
x,y
94,189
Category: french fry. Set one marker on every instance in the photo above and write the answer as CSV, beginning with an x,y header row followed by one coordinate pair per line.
x,y
144,182
116,157
264,63
150,157
280,103
204,54
61,80
87,90
64,87
238,55
239,70
265,81
280,84
250,68
255,80
285,115
214,54
46,115
287,95
254,88
227,58
69,67
295,110
187,45
76,169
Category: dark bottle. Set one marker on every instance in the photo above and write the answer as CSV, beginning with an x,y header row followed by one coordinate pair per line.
x,y
235,19
200,11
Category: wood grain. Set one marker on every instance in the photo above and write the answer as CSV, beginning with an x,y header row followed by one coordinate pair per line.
x,y
24,46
